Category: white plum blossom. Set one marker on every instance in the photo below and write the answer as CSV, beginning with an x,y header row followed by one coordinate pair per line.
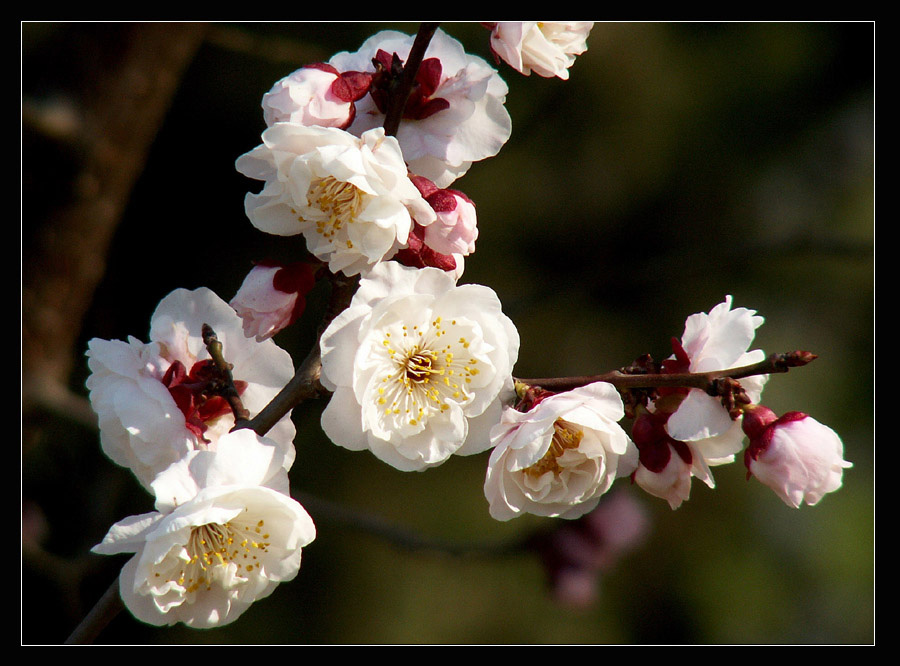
x,y
547,48
672,482
456,115
419,367
224,534
715,341
796,456
559,457
313,95
350,197
150,399
272,297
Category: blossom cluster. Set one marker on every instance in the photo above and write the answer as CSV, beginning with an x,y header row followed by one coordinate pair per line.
x,y
419,367
225,530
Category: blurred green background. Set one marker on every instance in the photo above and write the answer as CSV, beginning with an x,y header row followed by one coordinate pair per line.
x,y
679,163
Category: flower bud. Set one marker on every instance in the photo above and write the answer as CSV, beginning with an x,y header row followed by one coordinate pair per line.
x,y
795,455
316,95
272,297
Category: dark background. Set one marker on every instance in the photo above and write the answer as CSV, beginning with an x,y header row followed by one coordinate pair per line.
x,y
681,162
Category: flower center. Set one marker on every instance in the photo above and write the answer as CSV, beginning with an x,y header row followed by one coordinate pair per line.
x,y
425,373
213,547
340,200
420,366
565,436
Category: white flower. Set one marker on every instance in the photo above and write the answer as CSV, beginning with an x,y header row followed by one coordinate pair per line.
x,y
272,297
558,458
461,119
672,481
417,365
547,48
796,456
351,198
148,396
715,341
309,96
224,534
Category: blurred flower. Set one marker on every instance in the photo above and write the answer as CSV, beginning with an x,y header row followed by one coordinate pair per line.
x,y
547,48
351,198
315,95
418,366
796,456
575,553
224,534
456,114
152,398
559,457
272,297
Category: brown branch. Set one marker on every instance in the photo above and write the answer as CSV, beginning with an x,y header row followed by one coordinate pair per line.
x,y
399,95
227,388
705,381
305,384
103,612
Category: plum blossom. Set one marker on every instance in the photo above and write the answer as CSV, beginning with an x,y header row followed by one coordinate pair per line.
x,y
715,341
224,534
350,197
455,230
417,254
419,367
666,465
315,95
796,456
272,297
547,48
456,114
150,397
559,457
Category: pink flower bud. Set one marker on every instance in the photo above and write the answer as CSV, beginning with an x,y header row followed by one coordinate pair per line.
x,y
316,95
795,455
455,230
272,297
666,464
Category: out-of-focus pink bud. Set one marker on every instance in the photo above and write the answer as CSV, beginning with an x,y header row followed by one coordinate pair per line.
x,y
272,297
796,456
577,552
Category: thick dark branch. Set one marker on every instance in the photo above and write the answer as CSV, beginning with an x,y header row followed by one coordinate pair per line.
x,y
704,381
400,95
305,384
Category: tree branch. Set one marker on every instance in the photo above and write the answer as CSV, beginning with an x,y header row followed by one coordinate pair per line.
x,y
400,95
705,381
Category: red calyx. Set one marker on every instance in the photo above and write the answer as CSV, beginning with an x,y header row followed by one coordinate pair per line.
x,y
194,394
419,255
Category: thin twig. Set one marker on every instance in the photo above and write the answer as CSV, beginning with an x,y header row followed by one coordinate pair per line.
x,y
228,391
704,381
